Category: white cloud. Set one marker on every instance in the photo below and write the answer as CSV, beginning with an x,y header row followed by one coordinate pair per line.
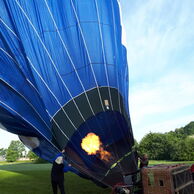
x,y
168,96
160,36
170,93
161,127
158,32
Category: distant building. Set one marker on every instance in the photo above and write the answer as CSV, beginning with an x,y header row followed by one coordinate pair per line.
x,y
24,159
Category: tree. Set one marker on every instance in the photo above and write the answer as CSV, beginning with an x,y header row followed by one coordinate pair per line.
x,y
179,151
15,151
12,155
182,143
32,156
189,129
189,141
173,145
156,145
3,152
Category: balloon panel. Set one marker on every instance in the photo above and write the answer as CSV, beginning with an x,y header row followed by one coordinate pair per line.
x,y
64,80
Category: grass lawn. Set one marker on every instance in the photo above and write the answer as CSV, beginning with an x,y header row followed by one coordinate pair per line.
x,y
154,162
29,178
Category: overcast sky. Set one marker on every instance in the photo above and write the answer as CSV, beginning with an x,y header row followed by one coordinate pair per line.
x,y
159,36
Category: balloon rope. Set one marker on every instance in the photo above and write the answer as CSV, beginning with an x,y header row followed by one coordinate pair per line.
x,y
116,163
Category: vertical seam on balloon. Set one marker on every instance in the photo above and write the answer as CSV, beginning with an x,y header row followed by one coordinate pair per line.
x,y
9,56
86,49
55,69
32,85
9,28
68,54
83,36
93,73
113,15
49,57
51,92
106,72
25,100
69,57
26,79
58,127
103,52
20,69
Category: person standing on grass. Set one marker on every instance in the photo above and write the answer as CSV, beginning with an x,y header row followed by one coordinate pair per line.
x,y
57,174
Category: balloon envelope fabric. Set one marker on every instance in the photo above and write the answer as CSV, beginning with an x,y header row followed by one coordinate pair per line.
x,y
64,76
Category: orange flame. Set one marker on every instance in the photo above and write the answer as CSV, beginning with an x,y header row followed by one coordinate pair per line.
x,y
92,145
104,155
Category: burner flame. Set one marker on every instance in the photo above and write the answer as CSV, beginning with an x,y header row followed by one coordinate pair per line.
x,y
92,145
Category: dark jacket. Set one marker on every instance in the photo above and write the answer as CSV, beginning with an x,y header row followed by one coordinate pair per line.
x,y
57,172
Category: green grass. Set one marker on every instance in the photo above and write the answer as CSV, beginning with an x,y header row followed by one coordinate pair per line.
x,y
17,162
154,162
29,178
35,179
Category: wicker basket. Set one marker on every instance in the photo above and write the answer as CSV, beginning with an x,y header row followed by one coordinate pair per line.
x,y
167,179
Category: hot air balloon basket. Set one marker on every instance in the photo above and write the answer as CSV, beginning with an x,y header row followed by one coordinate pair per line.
x,y
167,179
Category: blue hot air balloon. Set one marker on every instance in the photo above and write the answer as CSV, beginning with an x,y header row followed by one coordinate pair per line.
x,y
64,77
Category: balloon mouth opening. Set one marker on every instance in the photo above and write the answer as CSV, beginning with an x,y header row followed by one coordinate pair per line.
x,y
92,145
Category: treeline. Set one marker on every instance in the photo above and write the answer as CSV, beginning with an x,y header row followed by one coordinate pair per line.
x,y
17,151
175,145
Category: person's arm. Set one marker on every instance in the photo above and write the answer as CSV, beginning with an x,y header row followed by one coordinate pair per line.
x,y
68,168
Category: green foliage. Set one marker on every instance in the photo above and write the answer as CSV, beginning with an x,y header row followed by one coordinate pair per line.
x,y
32,156
189,129
183,132
190,148
175,145
3,152
156,145
14,151
12,155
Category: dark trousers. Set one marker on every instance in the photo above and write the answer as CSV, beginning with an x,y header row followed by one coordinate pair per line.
x,y
59,184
